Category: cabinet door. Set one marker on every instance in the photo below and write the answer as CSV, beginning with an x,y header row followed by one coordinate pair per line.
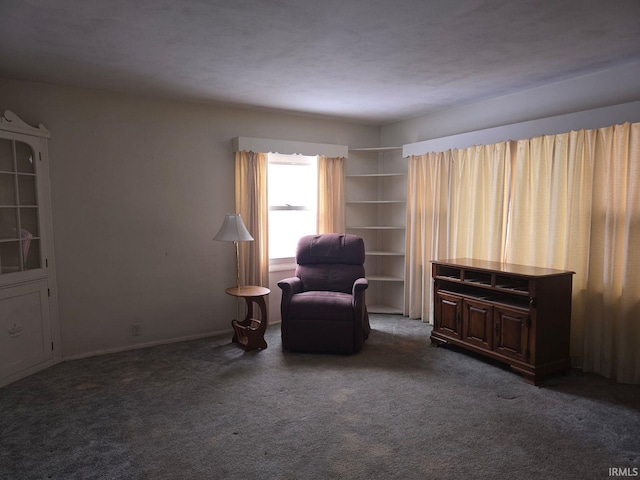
x,y
512,332
25,336
448,309
20,235
477,323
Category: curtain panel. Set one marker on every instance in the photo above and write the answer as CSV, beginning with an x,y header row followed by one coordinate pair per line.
x,y
568,201
457,208
252,204
331,200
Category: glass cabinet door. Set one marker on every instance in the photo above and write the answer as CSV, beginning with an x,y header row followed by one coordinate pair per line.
x,y
19,225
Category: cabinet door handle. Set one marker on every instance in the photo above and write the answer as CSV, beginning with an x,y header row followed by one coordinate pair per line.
x,y
15,331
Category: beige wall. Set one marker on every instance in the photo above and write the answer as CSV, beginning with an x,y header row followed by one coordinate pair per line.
x,y
139,189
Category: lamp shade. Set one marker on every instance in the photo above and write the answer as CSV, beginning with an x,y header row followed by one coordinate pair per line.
x,y
233,229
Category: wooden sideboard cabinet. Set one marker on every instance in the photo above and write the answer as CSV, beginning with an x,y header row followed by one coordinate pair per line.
x,y
516,314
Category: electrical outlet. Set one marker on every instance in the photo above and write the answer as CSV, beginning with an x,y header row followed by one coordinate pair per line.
x,y
135,329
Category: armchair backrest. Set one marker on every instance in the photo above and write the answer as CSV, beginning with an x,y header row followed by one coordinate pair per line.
x,y
331,261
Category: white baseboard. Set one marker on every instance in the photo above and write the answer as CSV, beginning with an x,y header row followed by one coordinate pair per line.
x,y
148,344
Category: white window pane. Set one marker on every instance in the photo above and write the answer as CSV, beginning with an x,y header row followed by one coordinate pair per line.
x,y
285,229
293,181
291,185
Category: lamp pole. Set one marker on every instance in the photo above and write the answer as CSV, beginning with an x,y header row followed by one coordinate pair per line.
x,y
237,265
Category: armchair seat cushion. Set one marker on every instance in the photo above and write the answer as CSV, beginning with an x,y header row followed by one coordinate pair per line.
x,y
318,305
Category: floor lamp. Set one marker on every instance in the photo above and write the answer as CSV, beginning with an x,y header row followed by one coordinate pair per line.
x,y
249,333
233,230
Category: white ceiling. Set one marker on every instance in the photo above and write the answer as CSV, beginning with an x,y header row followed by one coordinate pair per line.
x,y
372,61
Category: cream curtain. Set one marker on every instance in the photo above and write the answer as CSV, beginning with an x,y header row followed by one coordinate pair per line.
x,y
612,319
568,201
477,205
427,228
252,204
331,201
457,203
550,214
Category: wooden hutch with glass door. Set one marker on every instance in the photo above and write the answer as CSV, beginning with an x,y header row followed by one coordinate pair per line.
x,y
29,332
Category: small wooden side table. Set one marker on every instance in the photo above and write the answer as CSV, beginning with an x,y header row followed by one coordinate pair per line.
x,y
250,332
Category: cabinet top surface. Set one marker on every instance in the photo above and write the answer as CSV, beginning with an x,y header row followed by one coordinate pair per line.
x,y
510,268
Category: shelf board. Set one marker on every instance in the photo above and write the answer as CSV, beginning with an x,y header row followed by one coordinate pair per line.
x,y
26,174
376,201
486,285
384,278
374,227
7,240
384,309
384,253
362,175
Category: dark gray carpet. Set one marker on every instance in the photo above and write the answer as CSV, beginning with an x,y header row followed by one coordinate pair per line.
x,y
400,409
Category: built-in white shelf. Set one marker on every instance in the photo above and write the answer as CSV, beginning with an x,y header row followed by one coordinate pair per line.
x,y
375,210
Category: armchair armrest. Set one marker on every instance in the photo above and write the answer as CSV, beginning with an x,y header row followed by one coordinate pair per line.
x,y
360,285
361,326
289,286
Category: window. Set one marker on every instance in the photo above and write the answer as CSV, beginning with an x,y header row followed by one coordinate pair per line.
x,y
293,197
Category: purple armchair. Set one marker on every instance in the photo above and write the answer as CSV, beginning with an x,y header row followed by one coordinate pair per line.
x,y
323,307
